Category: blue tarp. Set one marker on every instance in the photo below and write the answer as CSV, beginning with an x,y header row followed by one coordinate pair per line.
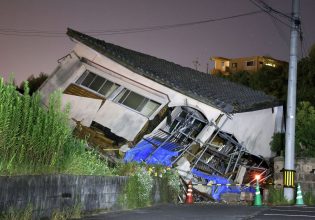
x,y
216,191
145,150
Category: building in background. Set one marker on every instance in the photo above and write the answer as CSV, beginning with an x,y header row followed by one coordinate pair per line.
x,y
251,64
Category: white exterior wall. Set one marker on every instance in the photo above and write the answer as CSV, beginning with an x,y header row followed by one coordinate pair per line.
x,y
62,76
255,129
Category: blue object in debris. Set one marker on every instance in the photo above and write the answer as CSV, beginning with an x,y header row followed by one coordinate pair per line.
x,y
162,156
216,190
145,150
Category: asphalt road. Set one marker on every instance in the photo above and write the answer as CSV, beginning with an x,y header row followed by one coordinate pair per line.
x,y
209,211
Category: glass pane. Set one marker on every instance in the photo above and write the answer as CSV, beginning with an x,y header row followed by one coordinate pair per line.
x,y
142,104
133,100
82,77
111,90
107,88
97,83
150,108
87,81
122,94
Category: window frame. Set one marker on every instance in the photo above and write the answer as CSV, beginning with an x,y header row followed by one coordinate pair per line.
x,y
123,95
86,73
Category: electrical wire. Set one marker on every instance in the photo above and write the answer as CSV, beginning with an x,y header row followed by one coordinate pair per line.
x,y
42,33
267,9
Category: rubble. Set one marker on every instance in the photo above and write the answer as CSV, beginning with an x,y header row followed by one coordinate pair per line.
x,y
218,165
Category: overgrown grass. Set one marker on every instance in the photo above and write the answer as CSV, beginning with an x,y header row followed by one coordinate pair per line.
x,y
276,197
37,140
27,214
309,198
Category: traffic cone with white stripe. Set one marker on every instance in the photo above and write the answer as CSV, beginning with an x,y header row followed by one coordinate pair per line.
x,y
299,196
258,201
189,196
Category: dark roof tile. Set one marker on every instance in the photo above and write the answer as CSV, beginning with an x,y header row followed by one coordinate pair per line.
x,y
206,88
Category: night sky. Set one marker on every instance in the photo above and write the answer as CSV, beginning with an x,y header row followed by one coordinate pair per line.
x,y
24,54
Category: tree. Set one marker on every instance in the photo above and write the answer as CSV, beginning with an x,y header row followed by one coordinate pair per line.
x,y
305,130
306,78
33,83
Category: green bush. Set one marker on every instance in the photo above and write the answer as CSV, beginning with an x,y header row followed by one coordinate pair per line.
x,y
37,140
277,143
137,192
305,130
142,179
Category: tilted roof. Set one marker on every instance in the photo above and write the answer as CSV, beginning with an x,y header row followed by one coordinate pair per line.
x,y
206,88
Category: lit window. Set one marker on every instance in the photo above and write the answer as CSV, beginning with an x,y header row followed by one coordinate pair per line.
x,y
270,64
97,83
234,65
137,102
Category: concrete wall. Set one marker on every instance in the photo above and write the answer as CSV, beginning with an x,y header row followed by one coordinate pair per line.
x,y
304,172
48,193
56,192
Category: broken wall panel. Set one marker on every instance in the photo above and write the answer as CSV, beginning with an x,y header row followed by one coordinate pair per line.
x,y
121,121
254,130
84,115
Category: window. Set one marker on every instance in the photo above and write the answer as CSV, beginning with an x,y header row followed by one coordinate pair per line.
x,y
250,63
97,83
222,63
137,102
234,65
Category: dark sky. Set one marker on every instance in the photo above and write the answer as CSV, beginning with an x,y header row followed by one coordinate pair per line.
x,y
239,37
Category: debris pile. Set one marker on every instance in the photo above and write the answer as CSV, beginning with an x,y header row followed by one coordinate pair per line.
x,y
221,162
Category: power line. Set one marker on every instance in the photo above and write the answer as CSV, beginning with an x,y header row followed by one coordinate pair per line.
x,y
44,33
267,9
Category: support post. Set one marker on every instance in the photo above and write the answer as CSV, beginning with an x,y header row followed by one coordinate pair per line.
x,y
291,100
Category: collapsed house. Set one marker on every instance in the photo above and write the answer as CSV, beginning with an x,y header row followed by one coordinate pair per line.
x,y
176,116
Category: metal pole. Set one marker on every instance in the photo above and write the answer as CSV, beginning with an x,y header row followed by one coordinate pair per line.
x,y
291,99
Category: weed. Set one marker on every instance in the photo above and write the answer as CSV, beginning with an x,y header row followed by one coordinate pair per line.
x,y
36,140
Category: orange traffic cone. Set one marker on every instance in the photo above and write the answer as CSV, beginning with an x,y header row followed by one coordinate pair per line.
x,y
189,196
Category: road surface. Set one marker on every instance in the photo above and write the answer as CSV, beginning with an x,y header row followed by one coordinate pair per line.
x,y
209,211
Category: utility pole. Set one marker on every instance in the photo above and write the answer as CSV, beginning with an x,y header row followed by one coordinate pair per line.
x,y
289,163
207,70
196,63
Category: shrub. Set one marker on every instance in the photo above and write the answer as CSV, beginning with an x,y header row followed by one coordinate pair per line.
x,y
36,140
137,192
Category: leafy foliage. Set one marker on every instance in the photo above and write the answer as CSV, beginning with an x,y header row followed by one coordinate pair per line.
x,y
143,179
305,130
278,142
138,189
35,140
33,83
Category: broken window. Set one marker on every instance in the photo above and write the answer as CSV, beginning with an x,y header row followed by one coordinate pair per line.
x,y
97,83
137,102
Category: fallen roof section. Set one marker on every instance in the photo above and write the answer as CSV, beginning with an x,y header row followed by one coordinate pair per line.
x,y
211,90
